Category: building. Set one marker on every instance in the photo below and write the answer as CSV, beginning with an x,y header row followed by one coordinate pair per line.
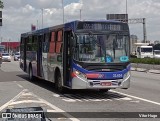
x,y
133,39
11,46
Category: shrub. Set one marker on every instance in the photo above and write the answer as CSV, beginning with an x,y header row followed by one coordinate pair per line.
x,y
145,60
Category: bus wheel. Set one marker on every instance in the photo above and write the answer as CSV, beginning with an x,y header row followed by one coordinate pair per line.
x,y
58,83
31,77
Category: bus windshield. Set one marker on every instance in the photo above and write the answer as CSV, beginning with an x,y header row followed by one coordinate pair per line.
x,y
101,48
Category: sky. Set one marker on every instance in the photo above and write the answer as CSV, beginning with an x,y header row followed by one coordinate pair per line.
x,y
18,15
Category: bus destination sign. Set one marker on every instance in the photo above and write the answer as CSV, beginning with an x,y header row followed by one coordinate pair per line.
x,y
99,26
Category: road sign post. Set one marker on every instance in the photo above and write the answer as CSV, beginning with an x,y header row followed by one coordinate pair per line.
x,y
0,18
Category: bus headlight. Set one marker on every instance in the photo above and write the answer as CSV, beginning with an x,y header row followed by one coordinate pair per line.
x,y
78,73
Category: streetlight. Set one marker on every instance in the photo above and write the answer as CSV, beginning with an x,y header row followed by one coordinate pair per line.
x,y
42,18
80,13
126,6
126,12
63,10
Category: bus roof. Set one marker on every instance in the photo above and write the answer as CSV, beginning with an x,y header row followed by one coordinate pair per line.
x,y
45,30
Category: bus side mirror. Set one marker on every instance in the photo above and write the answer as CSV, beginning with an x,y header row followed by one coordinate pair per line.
x,y
59,58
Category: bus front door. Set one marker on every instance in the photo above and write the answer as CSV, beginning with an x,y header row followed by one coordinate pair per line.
x,y
39,56
66,58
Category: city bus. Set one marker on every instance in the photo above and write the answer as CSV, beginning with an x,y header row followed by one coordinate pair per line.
x,y
79,55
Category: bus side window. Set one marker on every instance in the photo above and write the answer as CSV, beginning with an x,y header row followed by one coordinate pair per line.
x,y
46,43
59,42
52,43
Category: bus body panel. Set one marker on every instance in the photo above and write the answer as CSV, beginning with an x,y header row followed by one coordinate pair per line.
x,y
119,79
81,83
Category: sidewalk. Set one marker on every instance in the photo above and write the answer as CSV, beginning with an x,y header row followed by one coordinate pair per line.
x,y
145,70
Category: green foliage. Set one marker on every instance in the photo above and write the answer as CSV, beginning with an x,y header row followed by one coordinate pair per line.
x,y
145,60
1,4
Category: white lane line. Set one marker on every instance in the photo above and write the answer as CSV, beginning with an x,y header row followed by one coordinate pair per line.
x,y
58,109
20,85
25,101
12,100
40,100
142,99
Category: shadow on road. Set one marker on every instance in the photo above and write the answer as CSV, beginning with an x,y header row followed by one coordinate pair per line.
x,y
76,94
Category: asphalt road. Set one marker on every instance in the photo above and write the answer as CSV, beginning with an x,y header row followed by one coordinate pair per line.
x,y
16,91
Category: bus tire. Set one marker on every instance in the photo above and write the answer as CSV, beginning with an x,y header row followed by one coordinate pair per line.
x,y
58,83
31,77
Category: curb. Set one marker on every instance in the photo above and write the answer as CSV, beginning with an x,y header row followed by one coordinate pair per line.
x,y
145,70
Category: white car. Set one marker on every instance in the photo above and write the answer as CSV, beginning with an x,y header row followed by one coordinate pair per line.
x,y
6,57
16,56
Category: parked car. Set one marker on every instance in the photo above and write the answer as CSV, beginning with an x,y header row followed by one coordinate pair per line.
x,y
6,57
16,56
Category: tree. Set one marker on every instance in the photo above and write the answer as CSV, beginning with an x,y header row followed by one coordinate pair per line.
x,y
1,4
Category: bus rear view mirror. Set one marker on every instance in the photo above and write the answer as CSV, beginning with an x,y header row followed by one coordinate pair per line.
x,y
59,58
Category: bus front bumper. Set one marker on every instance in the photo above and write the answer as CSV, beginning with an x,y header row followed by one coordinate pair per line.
x,y
83,83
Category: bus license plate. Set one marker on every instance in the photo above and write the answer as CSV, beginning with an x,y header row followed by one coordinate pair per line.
x,y
106,83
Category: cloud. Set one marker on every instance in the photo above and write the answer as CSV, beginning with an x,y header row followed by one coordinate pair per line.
x,y
18,15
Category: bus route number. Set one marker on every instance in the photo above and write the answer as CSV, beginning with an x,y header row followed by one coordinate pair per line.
x,y
117,75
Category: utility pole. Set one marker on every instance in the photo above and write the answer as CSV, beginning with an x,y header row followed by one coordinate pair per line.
x,y
144,30
80,13
126,7
63,10
37,25
42,18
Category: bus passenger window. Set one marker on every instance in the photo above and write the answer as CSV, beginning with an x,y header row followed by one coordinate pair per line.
x,y
46,43
52,43
59,42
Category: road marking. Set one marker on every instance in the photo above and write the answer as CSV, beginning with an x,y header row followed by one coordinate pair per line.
x,y
25,101
25,93
145,100
56,95
20,85
91,97
137,101
126,98
12,100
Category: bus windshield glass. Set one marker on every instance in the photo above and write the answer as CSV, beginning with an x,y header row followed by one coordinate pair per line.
x,y
146,49
101,48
